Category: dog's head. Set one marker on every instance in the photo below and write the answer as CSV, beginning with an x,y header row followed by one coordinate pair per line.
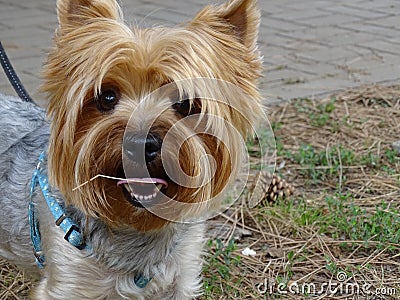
x,y
166,109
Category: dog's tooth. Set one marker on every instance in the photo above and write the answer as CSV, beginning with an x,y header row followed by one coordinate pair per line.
x,y
141,197
154,195
147,198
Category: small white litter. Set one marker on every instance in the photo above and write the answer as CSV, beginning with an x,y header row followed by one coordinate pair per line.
x,y
248,252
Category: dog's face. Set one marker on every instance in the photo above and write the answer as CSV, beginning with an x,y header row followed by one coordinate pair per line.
x,y
129,103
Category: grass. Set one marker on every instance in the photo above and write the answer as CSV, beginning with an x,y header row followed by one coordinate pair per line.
x,y
321,165
319,114
343,221
219,263
339,218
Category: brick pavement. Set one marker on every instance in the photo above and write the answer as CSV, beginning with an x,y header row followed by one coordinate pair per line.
x,y
311,47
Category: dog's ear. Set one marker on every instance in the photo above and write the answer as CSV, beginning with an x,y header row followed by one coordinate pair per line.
x,y
75,13
242,15
245,18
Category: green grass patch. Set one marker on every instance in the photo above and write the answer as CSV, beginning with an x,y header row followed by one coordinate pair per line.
x,y
338,217
218,268
320,114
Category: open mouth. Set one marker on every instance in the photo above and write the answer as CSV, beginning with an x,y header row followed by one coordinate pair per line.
x,y
141,192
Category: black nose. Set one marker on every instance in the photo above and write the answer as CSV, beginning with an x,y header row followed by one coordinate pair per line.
x,y
142,149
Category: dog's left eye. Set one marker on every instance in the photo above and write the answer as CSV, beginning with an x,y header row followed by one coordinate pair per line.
x,y
107,100
185,108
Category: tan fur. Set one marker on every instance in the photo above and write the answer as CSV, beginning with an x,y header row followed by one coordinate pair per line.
x,y
94,48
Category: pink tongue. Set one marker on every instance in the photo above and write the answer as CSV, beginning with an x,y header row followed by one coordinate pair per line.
x,y
143,181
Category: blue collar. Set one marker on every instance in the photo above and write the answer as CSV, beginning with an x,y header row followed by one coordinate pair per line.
x,y
71,230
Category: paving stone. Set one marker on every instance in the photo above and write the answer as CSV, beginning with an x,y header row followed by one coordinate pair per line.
x,y
388,22
332,36
379,73
320,69
317,87
303,14
273,53
292,49
29,5
283,25
386,6
302,5
271,7
275,39
331,20
286,76
328,54
324,35
19,15
355,11
379,31
384,46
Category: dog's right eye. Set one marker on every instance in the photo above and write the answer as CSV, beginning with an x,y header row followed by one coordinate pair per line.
x,y
182,107
107,100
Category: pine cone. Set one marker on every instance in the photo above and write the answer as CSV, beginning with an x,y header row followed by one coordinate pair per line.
x,y
278,188
267,188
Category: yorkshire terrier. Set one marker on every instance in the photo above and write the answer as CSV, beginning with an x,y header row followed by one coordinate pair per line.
x,y
143,135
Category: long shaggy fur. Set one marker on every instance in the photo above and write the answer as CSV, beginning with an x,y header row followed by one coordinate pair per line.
x,y
95,51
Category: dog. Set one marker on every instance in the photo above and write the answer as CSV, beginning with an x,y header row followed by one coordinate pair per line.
x,y
111,184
